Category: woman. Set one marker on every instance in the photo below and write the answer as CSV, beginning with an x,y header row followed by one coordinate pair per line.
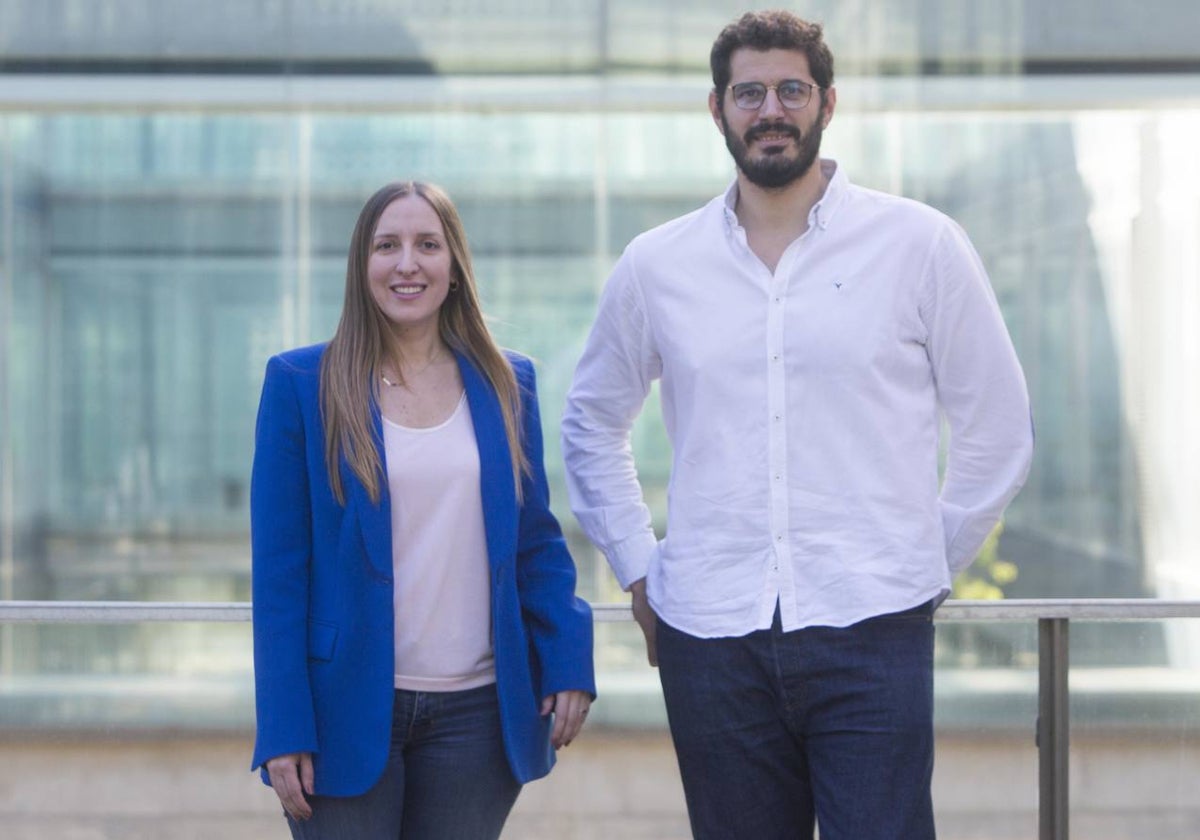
x,y
418,645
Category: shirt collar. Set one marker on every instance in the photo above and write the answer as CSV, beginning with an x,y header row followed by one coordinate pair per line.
x,y
822,212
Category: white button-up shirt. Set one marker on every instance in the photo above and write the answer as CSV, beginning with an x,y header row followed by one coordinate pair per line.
x,y
803,407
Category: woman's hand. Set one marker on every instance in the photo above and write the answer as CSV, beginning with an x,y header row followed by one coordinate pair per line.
x,y
292,776
570,711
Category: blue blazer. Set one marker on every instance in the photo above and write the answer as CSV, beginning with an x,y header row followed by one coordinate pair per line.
x,y
322,587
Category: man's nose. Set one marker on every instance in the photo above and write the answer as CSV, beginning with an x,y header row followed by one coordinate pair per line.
x,y
771,104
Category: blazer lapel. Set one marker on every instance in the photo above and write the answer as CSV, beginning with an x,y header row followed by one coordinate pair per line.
x,y
495,463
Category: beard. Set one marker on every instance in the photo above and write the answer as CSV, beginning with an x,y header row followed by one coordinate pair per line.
x,y
774,171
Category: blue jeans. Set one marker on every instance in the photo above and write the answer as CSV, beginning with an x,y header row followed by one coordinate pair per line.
x,y
776,732
446,776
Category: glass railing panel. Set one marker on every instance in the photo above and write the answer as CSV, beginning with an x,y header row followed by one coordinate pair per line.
x,y
985,708
1135,730
118,680
154,721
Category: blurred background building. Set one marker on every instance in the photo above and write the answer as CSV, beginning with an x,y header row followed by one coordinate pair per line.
x,y
178,183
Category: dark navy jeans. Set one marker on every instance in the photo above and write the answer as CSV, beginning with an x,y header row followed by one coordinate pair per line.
x,y
776,732
446,776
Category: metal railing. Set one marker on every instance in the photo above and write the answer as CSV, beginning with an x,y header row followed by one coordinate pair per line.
x,y
1053,617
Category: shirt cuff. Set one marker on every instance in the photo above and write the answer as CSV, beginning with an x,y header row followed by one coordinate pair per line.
x,y
630,558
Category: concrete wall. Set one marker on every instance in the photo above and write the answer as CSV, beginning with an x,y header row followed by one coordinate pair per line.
x,y
608,785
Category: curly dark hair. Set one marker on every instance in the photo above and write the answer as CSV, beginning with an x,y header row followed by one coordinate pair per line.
x,y
775,29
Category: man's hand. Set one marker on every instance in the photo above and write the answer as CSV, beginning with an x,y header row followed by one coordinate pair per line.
x,y
646,619
292,777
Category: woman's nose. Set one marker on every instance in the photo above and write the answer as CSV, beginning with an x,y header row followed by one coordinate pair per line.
x,y
405,263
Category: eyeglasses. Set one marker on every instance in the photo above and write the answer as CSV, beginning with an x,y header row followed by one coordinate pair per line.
x,y
793,94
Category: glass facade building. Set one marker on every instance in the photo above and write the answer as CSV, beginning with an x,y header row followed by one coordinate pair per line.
x,y
178,183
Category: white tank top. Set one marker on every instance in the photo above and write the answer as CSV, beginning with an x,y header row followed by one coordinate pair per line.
x,y
441,594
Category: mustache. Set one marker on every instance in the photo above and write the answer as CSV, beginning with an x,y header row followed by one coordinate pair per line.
x,y
760,129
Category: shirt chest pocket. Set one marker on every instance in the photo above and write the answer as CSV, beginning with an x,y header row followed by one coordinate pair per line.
x,y
851,326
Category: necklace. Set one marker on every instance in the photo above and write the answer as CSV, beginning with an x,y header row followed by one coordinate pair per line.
x,y
412,375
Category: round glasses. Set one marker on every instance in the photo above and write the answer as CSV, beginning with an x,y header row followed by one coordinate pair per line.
x,y
793,94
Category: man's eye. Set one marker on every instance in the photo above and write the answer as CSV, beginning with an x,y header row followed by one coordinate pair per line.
x,y
748,91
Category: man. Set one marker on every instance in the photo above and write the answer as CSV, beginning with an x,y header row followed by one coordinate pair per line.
x,y
807,332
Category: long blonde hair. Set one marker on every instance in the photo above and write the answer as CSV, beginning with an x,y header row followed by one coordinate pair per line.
x,y
352,361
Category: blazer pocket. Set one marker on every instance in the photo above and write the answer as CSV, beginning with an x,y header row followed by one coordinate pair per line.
x,y
322,639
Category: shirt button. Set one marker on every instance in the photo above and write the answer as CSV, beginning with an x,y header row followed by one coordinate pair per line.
x,y
779,538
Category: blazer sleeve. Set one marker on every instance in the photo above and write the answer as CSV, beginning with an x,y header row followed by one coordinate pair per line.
x,y
281,550
559,622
